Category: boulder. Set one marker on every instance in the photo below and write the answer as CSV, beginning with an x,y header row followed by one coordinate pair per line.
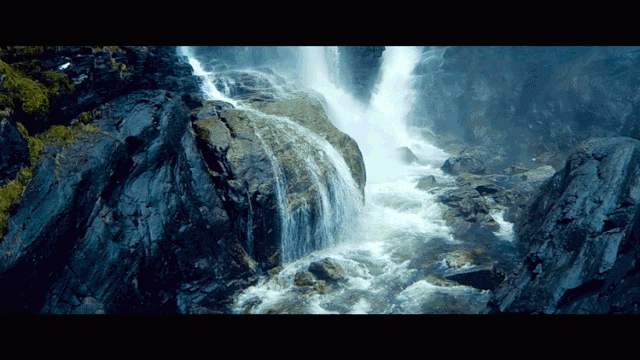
x,y
304,278
406,155
482,277
426,182
464,164
328,270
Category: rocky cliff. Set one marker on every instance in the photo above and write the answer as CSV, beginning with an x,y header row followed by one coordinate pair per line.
x,y
528,106
134,195
513,116
579,236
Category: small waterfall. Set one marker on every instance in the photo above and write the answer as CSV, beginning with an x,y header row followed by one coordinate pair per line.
x,y
209,89
336,196
323,214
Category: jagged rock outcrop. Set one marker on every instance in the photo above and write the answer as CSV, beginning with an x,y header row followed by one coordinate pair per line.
x,y
164,203
578,235
86,77
127,219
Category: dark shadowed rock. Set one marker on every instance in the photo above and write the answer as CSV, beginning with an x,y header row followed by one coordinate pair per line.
x,y
574,232
359,67
464,164
328,270
14,152
482,277
129,216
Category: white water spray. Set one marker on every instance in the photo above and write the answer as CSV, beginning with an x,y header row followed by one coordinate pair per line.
x,y
380,127
208,86
338,201
383,265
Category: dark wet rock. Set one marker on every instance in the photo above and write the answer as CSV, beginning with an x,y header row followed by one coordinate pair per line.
x,y
304,278
464,164
359,67
328,270
127,216
426,182
467,208
14,152
99,75
576,233
482,277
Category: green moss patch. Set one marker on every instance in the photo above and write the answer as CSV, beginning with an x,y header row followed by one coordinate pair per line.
x,y
23,92
11,193
116,65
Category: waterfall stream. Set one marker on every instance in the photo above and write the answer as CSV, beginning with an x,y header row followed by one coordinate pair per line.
x,y
391,250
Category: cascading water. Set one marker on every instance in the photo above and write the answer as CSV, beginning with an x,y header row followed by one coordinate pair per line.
x,y
396,243
313,160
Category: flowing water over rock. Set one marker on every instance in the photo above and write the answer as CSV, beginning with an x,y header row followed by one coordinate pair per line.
x,y
390,256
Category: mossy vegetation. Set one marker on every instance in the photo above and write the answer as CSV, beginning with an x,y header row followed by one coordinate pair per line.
x,y
116,65
25,87
19,91
11,193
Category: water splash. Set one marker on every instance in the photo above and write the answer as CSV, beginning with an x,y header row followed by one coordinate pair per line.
x,y
209,89
325,213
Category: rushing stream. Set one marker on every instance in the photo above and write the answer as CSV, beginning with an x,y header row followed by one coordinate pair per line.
x,y
393,250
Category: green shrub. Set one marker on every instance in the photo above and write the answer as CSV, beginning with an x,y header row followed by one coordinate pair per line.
x,y
21,91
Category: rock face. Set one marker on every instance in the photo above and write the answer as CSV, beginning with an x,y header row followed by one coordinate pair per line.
x,y
169,205
285,155
579,235
128,216
536,103
100,74
14,152
360,65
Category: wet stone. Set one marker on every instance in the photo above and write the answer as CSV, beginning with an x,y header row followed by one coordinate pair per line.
x,y
327,269
426,182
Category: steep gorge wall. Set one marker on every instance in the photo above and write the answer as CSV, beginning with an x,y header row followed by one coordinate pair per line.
x,y
526,103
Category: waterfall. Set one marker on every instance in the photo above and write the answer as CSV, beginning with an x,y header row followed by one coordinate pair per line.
x,y
335,191
209,89
324,214
398,239
381,127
